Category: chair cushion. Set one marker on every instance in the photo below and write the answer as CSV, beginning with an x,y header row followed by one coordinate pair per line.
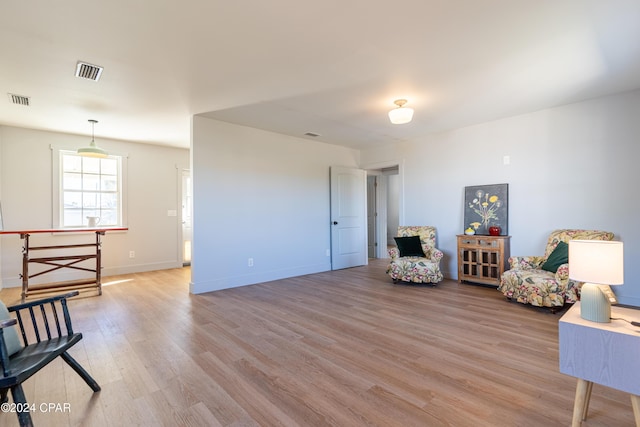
x,y
559,256
10,334
415,269
409,246
536,287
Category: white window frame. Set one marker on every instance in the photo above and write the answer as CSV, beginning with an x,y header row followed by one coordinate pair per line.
x,y
57,193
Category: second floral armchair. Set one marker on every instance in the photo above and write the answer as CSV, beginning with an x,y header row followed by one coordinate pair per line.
x,y
543,281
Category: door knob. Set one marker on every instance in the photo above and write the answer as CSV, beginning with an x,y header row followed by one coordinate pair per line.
x,y
335,222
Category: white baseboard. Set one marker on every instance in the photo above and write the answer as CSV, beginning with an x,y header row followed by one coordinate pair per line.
x,y
15,282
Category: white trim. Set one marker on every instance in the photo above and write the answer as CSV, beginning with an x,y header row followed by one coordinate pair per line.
x,y
388,164
56,179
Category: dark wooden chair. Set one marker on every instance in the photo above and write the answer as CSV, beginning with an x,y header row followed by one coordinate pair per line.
x,y
43,340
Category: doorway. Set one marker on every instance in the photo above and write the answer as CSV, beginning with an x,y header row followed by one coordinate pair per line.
x,y
186,218
383,209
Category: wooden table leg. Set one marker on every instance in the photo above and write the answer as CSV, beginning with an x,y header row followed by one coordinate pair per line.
x,y
25,266
587,399
635,402
581,403
99,261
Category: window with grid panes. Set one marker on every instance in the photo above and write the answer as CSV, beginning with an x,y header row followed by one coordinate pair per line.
x,y
90,187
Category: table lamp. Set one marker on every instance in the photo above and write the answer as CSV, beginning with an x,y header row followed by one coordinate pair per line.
x,y
598,263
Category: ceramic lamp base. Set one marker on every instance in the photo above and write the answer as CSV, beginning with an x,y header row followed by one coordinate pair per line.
x,y
594,304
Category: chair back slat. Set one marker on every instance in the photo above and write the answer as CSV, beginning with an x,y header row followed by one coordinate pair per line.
x,y
46,321
25,341
35,324
55,315
67,318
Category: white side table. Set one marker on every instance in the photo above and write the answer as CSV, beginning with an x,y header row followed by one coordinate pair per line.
x,y
603,353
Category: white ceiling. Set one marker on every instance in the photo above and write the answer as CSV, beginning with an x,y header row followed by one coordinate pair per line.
x,y
332,67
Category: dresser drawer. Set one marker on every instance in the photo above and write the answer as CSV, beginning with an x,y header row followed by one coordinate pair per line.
x,y
479,241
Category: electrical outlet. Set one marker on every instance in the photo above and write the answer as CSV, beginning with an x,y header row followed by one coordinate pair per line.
x,y
250,262
328,253
132,254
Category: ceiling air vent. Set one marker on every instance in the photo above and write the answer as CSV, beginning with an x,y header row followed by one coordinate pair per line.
x,y
312,134
88,71
19,99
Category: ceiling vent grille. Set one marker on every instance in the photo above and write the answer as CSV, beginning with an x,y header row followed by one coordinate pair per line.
x,y
312,134
88,71
19,99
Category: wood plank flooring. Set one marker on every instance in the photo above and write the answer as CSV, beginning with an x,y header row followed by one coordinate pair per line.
x,y
342,348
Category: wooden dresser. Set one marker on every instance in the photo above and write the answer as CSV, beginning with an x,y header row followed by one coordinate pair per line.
x,y
482,259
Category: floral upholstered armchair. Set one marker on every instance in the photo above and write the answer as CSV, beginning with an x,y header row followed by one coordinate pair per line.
x,y
416,258
544,281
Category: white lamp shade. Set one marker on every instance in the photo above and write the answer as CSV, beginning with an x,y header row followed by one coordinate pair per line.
x,y
596,261
400,116
92,151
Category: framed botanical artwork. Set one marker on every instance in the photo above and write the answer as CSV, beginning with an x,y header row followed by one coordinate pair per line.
x,y
487,206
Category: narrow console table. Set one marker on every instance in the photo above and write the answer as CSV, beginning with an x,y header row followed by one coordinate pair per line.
x,y
482,259
602,353
62,261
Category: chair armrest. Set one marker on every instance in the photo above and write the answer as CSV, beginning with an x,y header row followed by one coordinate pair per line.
x,y
526,262
393,253
570,288
562,273
4,353
435,255
7,322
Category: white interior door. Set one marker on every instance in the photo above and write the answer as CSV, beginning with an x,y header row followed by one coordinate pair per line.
x,y
348,217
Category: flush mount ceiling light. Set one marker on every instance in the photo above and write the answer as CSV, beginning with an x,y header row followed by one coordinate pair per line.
x,y
402,114
92,150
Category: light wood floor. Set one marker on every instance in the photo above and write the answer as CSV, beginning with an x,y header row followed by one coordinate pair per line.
x,y
343,348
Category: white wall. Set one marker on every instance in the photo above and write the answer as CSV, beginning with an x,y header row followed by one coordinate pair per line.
x,y
265,196
259,195
153,189
574,166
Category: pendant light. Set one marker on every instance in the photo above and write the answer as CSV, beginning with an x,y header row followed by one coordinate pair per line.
x,y
92,150
402,114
